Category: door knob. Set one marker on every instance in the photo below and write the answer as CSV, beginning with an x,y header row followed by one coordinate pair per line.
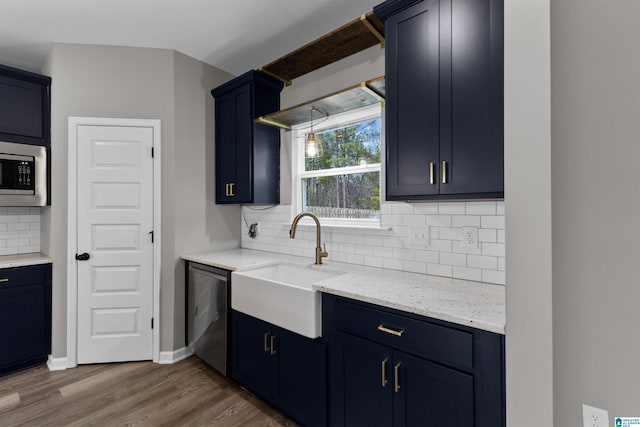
x,y
83,257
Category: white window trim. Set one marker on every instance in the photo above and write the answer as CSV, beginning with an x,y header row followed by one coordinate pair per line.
x,y
298,136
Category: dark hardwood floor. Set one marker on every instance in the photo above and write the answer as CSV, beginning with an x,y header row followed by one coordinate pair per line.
x,y
187,393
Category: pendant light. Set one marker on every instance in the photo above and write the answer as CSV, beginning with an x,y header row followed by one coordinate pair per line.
x,y
312,148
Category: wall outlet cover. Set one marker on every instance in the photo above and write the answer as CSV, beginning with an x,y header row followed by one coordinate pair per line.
x,y
418,236
470,237
594,417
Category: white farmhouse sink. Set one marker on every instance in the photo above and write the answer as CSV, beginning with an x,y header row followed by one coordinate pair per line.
x,y
281,294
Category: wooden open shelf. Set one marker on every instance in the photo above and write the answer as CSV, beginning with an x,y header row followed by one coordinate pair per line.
x,y
353,37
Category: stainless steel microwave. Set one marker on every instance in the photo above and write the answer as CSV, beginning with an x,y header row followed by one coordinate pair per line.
x,y
23,175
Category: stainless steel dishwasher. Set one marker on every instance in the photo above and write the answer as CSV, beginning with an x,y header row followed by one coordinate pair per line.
x,y
207,314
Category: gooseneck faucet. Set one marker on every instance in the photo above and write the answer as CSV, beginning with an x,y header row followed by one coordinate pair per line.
x,y
320,253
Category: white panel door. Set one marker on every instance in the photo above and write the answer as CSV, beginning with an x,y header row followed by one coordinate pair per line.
x,y
115,220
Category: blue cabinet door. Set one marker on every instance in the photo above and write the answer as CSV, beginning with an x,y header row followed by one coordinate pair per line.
x,y
444,107
252,362
25,317
286,369
363,388
247,154
25,107
302,378
430,395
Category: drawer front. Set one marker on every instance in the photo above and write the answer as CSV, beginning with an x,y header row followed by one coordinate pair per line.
x,y
428,340
16,276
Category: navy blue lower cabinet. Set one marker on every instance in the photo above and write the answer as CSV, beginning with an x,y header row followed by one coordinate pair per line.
x,y
390,368
25,317
286,369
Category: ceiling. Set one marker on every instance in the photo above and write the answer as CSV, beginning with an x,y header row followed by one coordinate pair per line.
x,y
233,35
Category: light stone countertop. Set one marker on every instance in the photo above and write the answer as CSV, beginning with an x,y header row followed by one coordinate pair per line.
x,y
22,260
475,304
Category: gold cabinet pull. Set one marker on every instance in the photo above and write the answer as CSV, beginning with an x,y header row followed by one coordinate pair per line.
x,y
396,385
273,347
432,175
383,328
384,372
229,189
266,342
444,171
4,280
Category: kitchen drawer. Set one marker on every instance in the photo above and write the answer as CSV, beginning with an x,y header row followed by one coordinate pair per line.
x,y
428,340
15,276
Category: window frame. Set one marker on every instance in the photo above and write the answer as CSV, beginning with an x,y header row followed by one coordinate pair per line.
x,y
298,137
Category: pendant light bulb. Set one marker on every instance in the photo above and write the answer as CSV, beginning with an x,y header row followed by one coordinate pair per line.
x,y
312,148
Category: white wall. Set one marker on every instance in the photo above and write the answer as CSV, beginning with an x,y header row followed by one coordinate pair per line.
x,y
595,76
107,81
529,328
200,224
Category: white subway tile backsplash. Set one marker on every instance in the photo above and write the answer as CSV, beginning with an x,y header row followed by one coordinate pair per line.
x,y
355,259
487,235
385,247
8,219
392,264
465,221
492,276
415,267
439,220
480,208
403,253
373,262
453,259
383,252
19,230
440,270
17,226
402,208
467,273
482,261
425,208
454,208
413,220
431,257
493,221
447,233
493,249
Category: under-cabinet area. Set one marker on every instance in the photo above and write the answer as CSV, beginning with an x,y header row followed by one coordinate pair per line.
x,y
396,349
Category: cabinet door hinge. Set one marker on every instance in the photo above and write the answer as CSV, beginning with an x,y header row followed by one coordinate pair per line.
x,y
152,323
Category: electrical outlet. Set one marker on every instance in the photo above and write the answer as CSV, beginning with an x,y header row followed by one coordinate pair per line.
x,y
594,417
470,237
418,236
254,229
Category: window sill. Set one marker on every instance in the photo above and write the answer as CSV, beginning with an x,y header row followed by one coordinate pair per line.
x,y
342,226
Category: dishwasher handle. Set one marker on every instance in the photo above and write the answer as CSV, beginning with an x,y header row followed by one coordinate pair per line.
x,y
211,274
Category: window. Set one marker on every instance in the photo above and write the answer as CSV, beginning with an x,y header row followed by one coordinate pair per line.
x,y
342,186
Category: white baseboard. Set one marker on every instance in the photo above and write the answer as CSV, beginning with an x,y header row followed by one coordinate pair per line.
x,y
169,357
56,363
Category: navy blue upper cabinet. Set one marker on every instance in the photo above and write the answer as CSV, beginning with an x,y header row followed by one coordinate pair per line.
x,y
247,154
25,107
444,108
